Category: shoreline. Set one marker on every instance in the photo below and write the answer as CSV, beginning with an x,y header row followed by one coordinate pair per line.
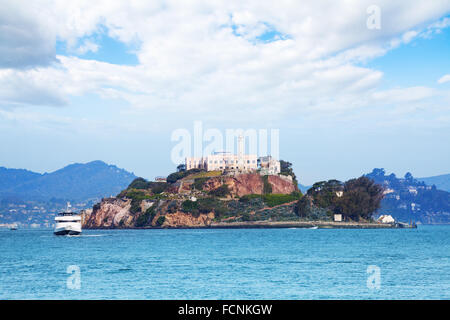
x,y
277,225
302,224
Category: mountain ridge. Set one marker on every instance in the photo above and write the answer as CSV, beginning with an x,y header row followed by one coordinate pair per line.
x,y
76,181
441,181
410,199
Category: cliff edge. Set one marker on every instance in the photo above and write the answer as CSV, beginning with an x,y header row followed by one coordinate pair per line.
x,y
196,200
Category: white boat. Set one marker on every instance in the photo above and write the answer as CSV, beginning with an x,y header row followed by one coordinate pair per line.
x,y
67,223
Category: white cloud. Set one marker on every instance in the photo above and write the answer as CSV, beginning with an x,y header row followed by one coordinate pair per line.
x,y
25,41
408,36
204,56
30,87
444,79
87,46
405,94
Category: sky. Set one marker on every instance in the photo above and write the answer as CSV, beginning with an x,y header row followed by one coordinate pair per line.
x,y
350,85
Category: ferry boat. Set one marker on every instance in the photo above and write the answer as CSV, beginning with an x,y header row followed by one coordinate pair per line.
x,y
67,223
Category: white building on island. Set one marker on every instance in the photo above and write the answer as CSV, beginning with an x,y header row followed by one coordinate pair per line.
x,y
269,165
241,162
386,219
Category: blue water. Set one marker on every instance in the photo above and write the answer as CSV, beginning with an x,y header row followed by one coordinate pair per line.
x,y
227,264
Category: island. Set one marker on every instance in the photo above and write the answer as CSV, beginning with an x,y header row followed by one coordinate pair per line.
x,y
239,194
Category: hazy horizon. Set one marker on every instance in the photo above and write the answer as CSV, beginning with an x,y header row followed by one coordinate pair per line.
x,y
399,175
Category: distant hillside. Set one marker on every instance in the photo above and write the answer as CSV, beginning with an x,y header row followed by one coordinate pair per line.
x,y
409,199
10,178
75,182
441,182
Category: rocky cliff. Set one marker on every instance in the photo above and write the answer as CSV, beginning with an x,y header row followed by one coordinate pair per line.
x,y
109,213
252,183
182,219
183,205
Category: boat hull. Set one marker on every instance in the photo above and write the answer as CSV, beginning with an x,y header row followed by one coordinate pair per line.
x,y
66,233
67,228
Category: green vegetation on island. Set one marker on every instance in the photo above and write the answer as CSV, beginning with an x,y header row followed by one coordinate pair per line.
x,y
355,199
213,195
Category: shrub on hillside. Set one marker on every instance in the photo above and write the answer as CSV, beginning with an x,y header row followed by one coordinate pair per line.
x,y
160,221
172,207
174,177
136,199
199,182
189,206
221,191
273,199
249,197
267,187
159,187
246,217
204,205
147,217
142,184
139,183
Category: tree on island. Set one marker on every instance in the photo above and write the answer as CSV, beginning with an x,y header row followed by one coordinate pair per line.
x,y
324,193
354,199
286,170
361,198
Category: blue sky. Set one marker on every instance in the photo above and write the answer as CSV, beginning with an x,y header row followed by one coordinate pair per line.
x,y
108,49
421,61
114,82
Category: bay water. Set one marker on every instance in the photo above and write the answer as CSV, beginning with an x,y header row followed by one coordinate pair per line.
x,y
227,264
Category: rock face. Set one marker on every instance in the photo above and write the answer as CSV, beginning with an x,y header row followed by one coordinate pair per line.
x,y
115,213
182,219
167,212
281,184
110,213
251,183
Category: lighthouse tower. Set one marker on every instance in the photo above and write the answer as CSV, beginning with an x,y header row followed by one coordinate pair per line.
x,y
241,149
